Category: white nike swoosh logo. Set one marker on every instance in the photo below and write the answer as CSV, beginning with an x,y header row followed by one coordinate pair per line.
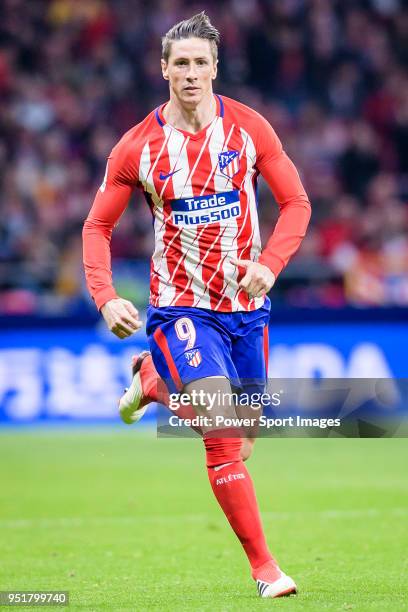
x,y
219,467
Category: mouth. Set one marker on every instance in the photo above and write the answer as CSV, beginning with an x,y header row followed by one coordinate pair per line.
x,y
191,88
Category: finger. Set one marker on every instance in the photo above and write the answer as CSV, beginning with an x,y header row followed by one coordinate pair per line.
x,y
261,293
245,281
257,285
121,327
131,309
125,328
129,315
254,288
257,281
259,290
131,322
244,263
252,285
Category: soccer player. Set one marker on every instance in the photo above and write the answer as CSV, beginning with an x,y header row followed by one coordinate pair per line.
x,y
196,159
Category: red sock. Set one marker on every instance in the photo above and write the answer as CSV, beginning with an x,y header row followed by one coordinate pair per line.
x,y
153,386
155,390
233,488
268,572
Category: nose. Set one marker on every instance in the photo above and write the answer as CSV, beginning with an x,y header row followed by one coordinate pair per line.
x,y
191,74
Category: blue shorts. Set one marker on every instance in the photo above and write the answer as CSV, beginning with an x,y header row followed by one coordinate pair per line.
x,y
192,343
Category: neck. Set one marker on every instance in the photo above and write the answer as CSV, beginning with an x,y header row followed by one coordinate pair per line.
x,y
187,118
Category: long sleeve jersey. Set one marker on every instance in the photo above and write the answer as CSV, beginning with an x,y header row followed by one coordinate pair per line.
x,y
202,192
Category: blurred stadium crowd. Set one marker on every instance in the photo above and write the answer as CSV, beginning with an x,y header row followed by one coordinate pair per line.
x,y
331,77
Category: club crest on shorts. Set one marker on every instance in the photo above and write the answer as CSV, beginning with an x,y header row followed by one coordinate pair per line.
x,y
229,163
193,358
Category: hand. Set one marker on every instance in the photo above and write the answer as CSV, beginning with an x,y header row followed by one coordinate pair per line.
x,y
121,317
258,279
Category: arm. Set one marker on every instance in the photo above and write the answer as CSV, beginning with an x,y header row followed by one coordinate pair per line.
x,y
294,206
294,213
110,203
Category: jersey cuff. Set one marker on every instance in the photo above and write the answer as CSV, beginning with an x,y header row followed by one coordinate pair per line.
x,y
273,262
104,295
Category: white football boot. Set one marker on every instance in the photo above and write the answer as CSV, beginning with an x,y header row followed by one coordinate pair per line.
x,y
282,587
133,403
272,582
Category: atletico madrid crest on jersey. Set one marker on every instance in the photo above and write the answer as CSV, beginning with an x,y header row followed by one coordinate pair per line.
x,y
193,358
229,163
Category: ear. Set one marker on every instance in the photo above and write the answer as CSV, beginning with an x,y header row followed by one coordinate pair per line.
x,y
165,71
215,69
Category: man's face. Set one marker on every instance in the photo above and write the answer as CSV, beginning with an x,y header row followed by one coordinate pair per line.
x,y
190,70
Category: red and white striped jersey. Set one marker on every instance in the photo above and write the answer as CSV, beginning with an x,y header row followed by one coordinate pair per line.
x,y
201,189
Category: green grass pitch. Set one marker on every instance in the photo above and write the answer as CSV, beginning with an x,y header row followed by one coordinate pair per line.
x,y
124,521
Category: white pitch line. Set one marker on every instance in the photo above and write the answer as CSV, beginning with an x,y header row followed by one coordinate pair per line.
x,y
101,521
